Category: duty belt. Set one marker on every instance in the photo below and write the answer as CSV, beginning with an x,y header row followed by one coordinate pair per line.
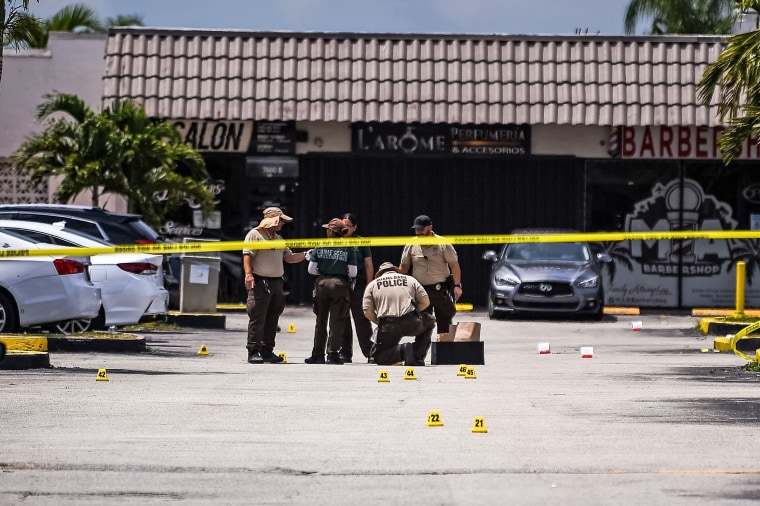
x,y
436,287
390,319
265,278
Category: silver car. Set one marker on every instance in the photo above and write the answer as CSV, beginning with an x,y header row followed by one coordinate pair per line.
x,y
545,277
131,284
38,290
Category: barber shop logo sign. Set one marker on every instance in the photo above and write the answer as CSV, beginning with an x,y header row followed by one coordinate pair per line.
x,y
677,206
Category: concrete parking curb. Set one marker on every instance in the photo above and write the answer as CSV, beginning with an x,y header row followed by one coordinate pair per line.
x,y
198,320
15,360
108,342
719,326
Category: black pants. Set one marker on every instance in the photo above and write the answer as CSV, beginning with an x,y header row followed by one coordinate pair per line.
x,y
442,305
362,324
332,306
266,302
386,350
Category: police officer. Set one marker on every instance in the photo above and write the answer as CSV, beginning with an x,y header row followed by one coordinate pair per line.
x,y
365,272
334,267
263,279
396,303
436,266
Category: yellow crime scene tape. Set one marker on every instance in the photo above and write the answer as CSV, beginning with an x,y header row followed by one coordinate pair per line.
x,y
463,240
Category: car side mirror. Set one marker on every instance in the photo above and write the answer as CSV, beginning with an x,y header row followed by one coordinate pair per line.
x,y
604,257
489,255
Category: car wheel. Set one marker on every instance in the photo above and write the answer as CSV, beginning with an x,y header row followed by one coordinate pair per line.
x,y
71,326
493,314
7,315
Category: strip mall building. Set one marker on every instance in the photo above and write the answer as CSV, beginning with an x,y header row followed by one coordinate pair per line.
x,y
485,134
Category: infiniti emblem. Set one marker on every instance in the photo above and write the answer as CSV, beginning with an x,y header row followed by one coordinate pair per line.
x,y
545,287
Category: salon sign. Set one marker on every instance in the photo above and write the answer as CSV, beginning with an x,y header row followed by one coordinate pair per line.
x,y
215,136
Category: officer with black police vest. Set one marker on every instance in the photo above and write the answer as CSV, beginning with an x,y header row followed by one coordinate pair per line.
x,y
395,302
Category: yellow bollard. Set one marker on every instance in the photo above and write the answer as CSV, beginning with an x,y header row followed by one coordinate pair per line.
x,y
741,275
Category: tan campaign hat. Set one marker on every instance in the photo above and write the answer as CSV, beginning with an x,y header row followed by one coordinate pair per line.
x,y
272,217
385,267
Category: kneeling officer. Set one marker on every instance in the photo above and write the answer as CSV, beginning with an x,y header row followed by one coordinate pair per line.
x,y
395,302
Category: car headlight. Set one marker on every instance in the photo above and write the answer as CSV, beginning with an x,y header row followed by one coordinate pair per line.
x,y
589,283
505,279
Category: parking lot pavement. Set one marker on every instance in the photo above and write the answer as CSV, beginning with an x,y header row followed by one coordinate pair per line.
x,y
651,418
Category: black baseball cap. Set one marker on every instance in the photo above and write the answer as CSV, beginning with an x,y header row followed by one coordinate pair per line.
x,y
422,221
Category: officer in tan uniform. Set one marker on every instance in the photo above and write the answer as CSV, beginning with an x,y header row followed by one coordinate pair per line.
x,y
436,266
263,280
396,303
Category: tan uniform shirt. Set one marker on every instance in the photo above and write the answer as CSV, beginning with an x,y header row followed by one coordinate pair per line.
x,y
266,262
430,264
393,294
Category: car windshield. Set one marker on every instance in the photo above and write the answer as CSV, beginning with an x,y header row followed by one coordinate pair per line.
x,y
571,252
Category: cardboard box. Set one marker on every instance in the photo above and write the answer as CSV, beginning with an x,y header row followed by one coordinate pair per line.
x,y
445,338
470,353
465,331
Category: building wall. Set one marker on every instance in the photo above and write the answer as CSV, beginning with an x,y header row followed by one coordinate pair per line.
x,y
72,63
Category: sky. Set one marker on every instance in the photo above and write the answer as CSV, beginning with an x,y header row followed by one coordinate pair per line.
x,y
555,17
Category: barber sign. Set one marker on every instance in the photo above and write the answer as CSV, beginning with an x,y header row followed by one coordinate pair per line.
x,y
679,143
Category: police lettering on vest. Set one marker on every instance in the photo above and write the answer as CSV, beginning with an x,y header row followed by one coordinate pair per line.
x,y
390,281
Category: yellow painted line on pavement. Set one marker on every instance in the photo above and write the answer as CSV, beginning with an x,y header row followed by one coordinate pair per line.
x,y
709,471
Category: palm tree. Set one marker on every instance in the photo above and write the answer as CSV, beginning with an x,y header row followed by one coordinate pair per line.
x,y
733,80
75,18
156,160
77,149
119,151
680,16
15,25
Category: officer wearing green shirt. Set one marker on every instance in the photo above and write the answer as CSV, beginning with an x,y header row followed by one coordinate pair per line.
x,y
334,267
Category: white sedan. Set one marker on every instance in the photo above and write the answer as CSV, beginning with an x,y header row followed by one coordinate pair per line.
x,y
132,284
38,290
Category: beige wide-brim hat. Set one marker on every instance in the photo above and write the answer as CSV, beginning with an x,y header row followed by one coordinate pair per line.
x,y
385,267
272,217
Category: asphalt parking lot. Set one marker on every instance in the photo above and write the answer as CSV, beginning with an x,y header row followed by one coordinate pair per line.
x,y
654,417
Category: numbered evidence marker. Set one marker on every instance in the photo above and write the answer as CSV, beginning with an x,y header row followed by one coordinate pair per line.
x,y
203,350
470,373
409,374
434,419
292,328
284,357
383,377
102,375
479,425
462,370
